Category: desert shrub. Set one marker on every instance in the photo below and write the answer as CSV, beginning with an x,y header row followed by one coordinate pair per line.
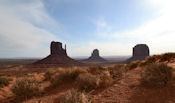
x,y
105,79
4,81
116,71
167,57
48,75
153,58
132,65
156,75
144,63
158,58
150,60
88,81
73,96
26,88
66,76
95,70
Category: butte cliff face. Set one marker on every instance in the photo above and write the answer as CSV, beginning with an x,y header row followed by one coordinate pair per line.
x,y
58,56
56,49
95,57
140,52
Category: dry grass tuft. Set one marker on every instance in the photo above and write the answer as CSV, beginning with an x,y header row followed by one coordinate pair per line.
x,y
96,70
48,75
167,57
156,75
88,81
99,77
158,58
116,71
4,81
150,60
132,65
66,76
26,88
105,79
73,96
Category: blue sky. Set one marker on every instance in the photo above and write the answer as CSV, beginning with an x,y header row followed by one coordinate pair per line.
x,y
113,26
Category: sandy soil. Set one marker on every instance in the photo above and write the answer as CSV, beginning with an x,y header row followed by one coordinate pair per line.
x,y
126,90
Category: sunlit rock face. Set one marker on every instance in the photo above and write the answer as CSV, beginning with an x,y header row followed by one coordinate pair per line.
x,y
58,56
140,52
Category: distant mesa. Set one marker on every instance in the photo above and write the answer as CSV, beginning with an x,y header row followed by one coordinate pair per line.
x,y
58,56
95,57
140,52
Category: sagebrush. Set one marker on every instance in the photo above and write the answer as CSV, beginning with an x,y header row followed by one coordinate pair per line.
x,y
26,88
65,76
156,75
4,81
74,96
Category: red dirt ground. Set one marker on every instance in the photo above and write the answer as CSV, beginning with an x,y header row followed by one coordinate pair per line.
x,y
126,90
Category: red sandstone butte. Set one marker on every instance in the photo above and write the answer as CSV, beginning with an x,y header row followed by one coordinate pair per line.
x,y
140,52
95,57
58,56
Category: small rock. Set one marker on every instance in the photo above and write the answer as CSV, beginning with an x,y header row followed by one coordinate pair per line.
x,y
132,85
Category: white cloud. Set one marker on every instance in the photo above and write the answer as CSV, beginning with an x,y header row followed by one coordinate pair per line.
x,y
158,33
21,30
102,28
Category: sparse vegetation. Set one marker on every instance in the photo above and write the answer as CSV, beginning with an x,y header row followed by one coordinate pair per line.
x,y
66,76
98,78
167,57
48,75
88,81
105,79
4,81
156,75
26,88
96,70
150,60
116,71
73,96
132,65
158,58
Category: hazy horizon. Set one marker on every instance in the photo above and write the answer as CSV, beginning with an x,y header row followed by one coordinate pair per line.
x,y
113,26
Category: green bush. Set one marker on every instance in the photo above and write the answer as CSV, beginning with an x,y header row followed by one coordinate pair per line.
x,y
4,81
73,96
156,75
26,88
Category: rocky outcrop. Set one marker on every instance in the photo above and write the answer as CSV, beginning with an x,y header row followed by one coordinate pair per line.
x,y
95,57
58,56
56,48
140,52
